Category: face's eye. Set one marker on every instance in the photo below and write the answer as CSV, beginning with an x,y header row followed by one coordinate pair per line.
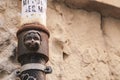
x,y
36,37
28,37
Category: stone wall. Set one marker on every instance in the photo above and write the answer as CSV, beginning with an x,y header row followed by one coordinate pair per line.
x,y
83,45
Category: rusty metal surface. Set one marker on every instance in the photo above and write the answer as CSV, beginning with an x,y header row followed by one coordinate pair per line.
x,y
33,48
25,48
33,39
33,26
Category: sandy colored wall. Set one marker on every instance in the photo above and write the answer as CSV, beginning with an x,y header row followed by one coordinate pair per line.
x,y
111,2
83,45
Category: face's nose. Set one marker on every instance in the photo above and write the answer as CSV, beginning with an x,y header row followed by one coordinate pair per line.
x,y
32,40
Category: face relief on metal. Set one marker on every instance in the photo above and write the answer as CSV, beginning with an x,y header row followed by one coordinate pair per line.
x,y
32,40
33,43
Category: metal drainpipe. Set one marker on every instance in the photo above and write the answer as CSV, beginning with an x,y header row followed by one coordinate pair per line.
x,y
33,50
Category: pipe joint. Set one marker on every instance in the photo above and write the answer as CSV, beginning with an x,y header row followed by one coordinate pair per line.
x,y
32,51
33,40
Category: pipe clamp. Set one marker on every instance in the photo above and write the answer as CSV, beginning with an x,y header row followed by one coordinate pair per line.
x,y
33,66
36,66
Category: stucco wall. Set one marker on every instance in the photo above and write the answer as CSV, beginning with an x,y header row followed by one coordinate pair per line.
x,y
83,45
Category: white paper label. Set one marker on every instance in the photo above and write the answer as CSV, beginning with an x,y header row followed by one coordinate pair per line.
x,y
34,8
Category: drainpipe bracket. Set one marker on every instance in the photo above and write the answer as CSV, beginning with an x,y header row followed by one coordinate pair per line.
x,y
34,66
30,66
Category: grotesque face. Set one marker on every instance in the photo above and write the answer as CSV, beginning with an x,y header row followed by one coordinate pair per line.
x,y
32,40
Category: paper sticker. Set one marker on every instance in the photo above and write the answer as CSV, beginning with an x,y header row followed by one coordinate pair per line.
x,y
32,8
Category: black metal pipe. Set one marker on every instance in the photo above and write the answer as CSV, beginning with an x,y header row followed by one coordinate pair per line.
x,y
33,51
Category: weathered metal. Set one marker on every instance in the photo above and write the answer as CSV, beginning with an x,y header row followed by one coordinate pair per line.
x,y
37,42
33,48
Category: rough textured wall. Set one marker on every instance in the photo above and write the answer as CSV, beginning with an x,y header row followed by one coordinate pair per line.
x,y
83,45
105,7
